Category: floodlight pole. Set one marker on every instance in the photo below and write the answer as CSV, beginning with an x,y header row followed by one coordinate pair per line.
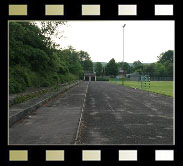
x,y
123,71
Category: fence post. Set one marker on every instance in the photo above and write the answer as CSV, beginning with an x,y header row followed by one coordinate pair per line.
x,y
145,81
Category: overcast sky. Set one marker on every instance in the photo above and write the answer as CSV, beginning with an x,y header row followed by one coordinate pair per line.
x,y
103,40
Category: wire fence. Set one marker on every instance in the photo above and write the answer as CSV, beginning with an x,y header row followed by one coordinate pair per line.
x,y
138,78
161,78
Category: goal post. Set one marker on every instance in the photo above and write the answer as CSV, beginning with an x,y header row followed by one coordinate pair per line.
x,y
145,81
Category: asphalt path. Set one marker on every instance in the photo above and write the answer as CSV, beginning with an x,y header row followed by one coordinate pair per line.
x,y
54,123
115,114
109,114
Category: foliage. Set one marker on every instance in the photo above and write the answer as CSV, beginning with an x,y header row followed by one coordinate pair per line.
x,y
149,69
138,67
85,61
166,57
162,68
19,79
34,60
98,68
102,79
111,68
23,98
126,67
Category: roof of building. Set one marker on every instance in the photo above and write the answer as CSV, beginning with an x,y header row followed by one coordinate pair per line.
x,y
90,74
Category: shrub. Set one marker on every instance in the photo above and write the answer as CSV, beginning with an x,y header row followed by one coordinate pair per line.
x,y
19,79
68,78
102,79
15,86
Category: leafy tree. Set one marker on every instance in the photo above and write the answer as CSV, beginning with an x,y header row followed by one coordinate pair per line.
x,y
112,68
137,65
166,57
50,28
160,70
169,69
71,58
149,69
85,61
34,59
98,68
126,66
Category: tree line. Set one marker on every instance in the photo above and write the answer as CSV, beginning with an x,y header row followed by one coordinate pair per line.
x,y
36,61
162,68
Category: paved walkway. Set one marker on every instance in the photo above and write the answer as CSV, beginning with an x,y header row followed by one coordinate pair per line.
x,y
121,115
113,115
54,123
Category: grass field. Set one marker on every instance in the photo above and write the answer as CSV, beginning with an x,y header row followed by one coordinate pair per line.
x,y
160,87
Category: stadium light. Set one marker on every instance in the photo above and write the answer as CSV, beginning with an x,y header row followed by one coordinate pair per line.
x,y
123,71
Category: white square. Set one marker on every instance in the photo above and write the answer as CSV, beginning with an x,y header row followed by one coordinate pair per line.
x,y
164,155
163,10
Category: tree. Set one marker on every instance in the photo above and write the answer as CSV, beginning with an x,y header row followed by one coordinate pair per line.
x,y
112,68
85,61
98,68
71,59
169,69
35,61
27,46
166,57
149,69
160,70
137,67
126,67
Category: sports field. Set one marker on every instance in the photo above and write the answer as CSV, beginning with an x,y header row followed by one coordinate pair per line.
x,y
160,87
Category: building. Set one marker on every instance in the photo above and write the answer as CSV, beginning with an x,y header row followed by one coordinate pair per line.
x,y
133,76
90,76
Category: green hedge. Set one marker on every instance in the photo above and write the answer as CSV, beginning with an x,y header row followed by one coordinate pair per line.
x,y
102,79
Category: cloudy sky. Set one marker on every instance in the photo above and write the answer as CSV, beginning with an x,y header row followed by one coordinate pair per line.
x,y
103,40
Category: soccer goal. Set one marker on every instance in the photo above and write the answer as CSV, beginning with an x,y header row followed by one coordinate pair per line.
x,y
145,81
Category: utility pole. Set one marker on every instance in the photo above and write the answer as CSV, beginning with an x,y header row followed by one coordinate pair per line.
x,y
123,71
93,68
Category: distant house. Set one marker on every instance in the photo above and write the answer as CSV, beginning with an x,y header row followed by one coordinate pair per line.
x,y
90,76
133,76
120,72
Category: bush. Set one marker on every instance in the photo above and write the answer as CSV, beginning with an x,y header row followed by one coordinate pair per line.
x,y
68,77
35,61
102,79
16,86
19,79
49,79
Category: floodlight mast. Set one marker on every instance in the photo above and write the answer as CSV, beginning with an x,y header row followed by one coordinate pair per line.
x,y
123,71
